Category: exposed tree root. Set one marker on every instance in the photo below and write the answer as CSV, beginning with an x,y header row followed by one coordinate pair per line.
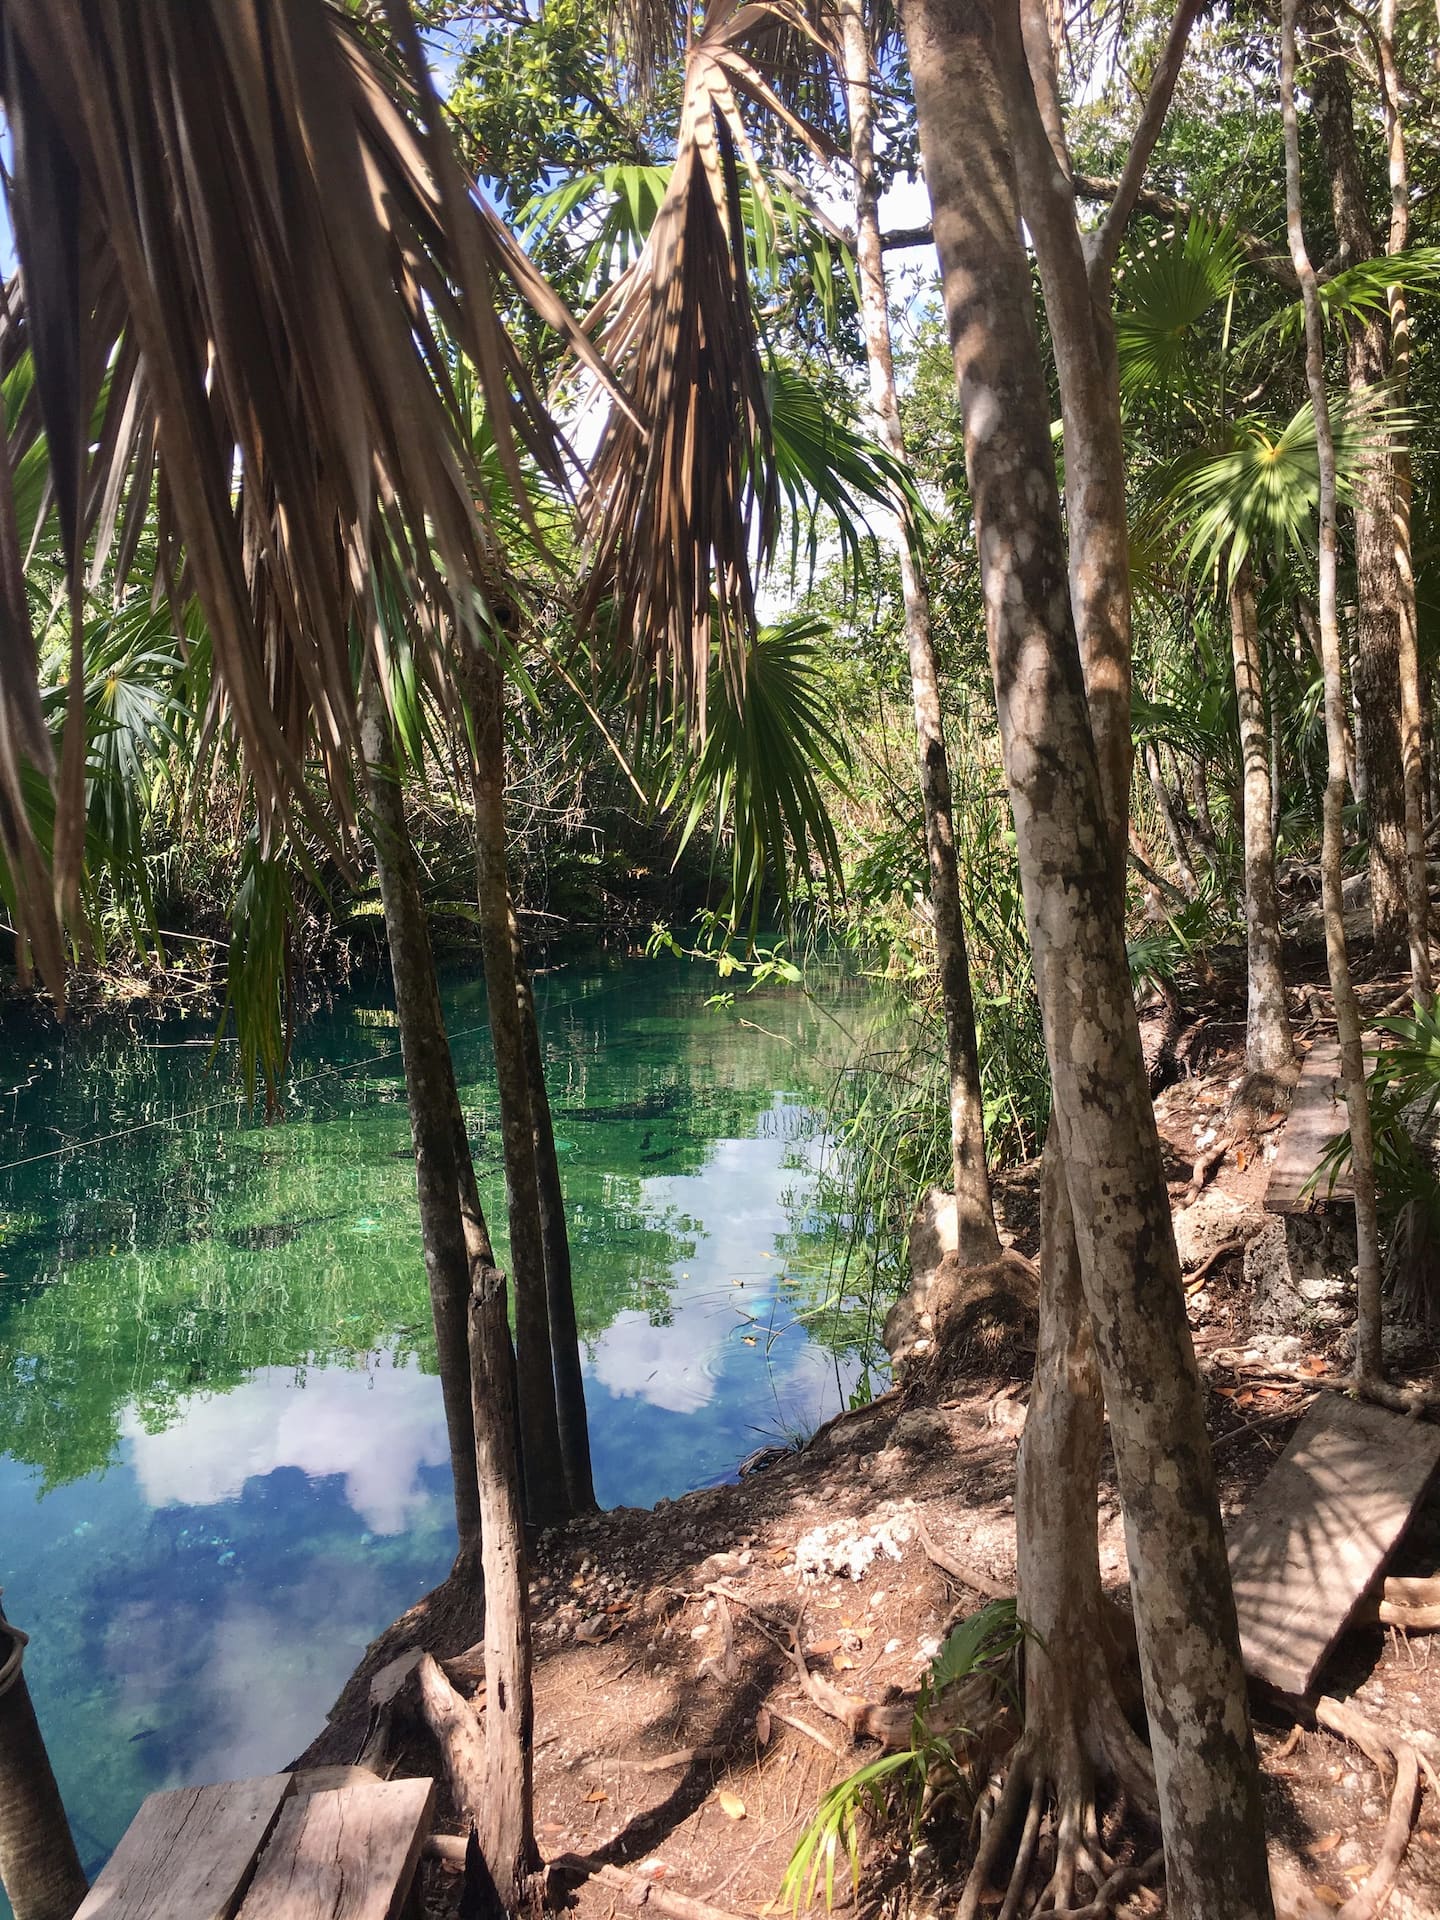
x,y
960,1571
1369,1899
1411,1605
1050,1791
1413,1401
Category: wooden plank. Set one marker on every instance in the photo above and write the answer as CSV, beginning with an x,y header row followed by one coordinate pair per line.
x,y
349,1855
1317,1115
1319,1530
188,1854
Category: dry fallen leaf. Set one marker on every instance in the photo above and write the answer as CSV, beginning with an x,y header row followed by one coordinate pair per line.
x,y
822,1647
731,1804
843,1663
1327,1842
1328,1897
762,1726
599,1794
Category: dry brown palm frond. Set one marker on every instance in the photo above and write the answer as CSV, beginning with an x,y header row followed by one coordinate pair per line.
x,y
246,248
683,499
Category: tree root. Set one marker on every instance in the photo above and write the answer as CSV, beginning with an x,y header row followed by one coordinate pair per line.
x,y
960,1571
1033,1786
1382,1751
1412,1401
1411,1605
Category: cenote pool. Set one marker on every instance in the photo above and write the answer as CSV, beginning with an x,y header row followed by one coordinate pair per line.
x,y
223,1463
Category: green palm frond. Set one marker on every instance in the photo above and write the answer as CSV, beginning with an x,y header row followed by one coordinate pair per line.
x,y
1360,292
826,466
1258,490
762,771
1165,289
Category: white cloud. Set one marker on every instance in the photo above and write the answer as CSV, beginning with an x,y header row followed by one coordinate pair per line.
x,y
377,1428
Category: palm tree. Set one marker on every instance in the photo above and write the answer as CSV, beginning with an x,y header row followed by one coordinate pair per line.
x,y
1368,1352
236,230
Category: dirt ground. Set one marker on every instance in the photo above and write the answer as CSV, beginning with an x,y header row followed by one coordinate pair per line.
x,y
673,1736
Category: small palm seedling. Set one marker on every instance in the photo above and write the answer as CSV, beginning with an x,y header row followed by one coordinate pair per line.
x,y
915,1778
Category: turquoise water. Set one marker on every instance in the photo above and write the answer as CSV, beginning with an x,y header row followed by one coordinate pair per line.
x,y
223,1464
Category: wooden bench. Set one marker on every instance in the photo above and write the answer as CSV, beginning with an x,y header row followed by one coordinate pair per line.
x,y
268,1849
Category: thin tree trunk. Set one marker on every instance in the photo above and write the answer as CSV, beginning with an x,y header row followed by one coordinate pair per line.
x,y
1412,752
505,1817
1377,674
1179,852
555,1236
1269,654
546,1498
977,1240
1200,790
1368,1363
1269,1043
1189,1643
437,1126
39,1867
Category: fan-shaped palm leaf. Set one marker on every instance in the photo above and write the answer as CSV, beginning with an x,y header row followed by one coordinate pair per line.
x,y
762,770
1359,292
1166,288
1260,490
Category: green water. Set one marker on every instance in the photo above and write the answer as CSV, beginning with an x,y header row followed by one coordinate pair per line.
x,y
223,1463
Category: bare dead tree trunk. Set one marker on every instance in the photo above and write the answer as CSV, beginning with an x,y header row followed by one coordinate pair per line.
x,y
39,1867
977,1240
1412,750
1269,1043
546,1497
505,1816
1377,669
437,1127
1368,1363
1194,1684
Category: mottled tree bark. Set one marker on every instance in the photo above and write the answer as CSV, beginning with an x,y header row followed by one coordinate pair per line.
x,y
39,1867
1189,1648
437,1126
1377,669
977,1241
1368,1364
1269,1044
546,1497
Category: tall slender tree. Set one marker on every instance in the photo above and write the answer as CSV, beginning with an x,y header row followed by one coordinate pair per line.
x,y
1368,1353
976,1238
551,1390
1194,1685
1384,590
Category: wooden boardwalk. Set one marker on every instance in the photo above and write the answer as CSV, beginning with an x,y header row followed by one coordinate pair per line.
x,y
267,1849
1317,1115
1319,1530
